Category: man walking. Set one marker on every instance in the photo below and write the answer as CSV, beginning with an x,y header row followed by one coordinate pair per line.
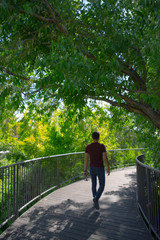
x,y
97,153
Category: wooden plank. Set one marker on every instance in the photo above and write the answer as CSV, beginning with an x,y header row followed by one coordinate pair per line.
x,y
68,213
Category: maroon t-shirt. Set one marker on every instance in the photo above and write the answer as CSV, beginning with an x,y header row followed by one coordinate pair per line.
x,y
95,151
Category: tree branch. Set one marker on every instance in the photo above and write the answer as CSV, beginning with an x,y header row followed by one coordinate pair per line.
x,y
38,16
13,74
89,55
39,89
60,27
143,62
139,108
139,83
49,20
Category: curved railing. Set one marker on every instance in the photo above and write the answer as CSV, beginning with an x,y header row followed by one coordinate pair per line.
x,y
25,182
148,194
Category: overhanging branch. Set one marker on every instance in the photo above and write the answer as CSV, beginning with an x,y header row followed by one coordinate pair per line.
x,y
59,26
139,82
13,74
49,20
139,108
142,61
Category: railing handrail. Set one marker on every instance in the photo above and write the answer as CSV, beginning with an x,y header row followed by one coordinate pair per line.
x,y
146,166
65,154
40,158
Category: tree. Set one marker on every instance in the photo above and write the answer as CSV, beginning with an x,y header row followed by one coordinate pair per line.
x,y
33,137
70,50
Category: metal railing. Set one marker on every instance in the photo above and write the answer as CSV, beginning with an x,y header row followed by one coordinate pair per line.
x,y
24,182
148,194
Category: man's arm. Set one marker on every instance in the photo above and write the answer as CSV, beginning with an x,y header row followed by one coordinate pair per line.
x,y
86,163
105,158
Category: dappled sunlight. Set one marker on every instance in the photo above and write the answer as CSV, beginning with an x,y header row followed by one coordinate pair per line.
x,y
68,213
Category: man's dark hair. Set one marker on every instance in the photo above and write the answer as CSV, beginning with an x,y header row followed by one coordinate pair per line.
x,y
95,135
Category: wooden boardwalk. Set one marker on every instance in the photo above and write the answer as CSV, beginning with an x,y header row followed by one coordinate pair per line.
x,y
68,213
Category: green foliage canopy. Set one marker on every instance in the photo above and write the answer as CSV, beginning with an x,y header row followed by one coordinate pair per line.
x,y
74,50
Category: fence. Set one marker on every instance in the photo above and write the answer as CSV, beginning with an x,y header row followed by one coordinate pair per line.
x,y
24,182
148,183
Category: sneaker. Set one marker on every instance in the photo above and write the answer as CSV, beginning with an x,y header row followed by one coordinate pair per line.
x,y
95,203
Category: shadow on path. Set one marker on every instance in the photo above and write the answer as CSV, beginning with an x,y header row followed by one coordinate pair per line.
x,y
69,220
118,218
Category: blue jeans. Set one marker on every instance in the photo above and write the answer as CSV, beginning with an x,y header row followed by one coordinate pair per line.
x,y
100,173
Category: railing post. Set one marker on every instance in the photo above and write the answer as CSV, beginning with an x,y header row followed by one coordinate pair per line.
x,y
17,195
15,192
149,204
58,173
40,178
73,166
2,196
